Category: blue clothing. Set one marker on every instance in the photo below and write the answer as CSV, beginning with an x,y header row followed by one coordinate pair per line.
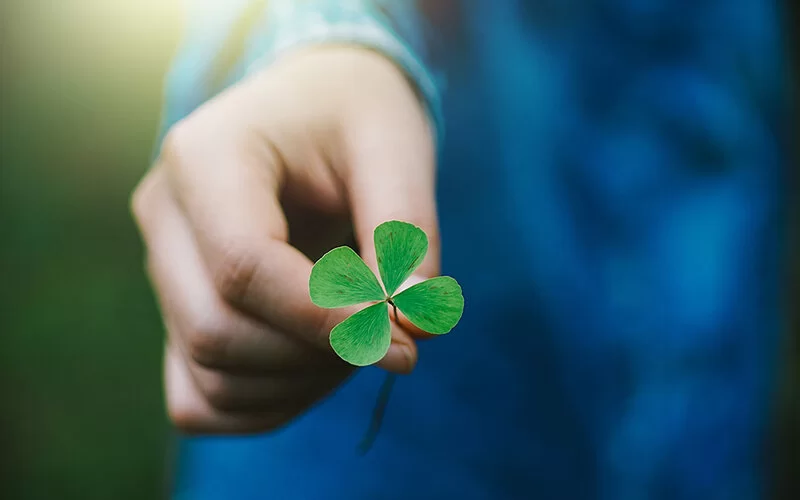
x,y
610,194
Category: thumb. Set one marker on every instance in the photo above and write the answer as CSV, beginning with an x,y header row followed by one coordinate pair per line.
x,y
390,175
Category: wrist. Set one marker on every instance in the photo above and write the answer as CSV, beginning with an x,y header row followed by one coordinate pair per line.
x,y
343,86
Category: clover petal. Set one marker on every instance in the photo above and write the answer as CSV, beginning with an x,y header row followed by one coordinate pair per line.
x,y
400,248
340,278
363,338
435,305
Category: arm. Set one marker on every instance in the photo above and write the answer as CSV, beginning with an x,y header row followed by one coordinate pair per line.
x,y
222,46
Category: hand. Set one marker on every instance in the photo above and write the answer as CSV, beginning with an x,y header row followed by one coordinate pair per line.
x,y
247,190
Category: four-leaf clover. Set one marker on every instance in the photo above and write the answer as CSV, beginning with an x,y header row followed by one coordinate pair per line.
x,y
340,279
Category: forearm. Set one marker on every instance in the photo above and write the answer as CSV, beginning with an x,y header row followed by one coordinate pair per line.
x,y
223,45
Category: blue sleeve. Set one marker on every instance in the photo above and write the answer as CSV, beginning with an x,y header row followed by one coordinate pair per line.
x,y
390,27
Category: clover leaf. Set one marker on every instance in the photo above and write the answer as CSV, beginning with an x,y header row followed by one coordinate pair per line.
x,y
340,279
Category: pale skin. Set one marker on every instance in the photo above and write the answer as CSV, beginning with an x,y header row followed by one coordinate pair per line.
x,y
324,140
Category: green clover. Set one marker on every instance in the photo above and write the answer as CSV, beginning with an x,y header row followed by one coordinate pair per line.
x,y
340,279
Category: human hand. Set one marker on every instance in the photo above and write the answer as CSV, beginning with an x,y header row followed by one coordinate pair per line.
x,y
271,173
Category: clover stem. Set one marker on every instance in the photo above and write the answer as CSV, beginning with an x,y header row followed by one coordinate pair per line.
x,y
377,414
380,403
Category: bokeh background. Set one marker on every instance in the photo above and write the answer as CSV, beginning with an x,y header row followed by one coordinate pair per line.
x,y
80,338
80,92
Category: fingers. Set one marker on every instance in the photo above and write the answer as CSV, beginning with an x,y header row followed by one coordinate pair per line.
x,y
267,378
230,201
215,334
191,411
238,393
229,195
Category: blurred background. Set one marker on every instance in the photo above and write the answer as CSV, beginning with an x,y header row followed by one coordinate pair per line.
x,y
80,92
82,415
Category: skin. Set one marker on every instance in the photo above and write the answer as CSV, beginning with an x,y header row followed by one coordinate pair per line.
x,y
246,191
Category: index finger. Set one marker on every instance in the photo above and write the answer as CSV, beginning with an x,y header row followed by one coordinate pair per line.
x,y
230,197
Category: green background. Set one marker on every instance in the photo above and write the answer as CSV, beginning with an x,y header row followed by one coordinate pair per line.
x,y
80,91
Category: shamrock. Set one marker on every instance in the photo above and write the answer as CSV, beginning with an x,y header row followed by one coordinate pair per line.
x,y
340,278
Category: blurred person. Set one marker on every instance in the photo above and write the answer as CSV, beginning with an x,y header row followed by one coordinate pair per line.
x,y
603,177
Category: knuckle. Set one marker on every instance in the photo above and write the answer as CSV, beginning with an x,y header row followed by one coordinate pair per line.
x,y
219,393
177,142
182,417
184,414
207,340
141,198
236,273
138,203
